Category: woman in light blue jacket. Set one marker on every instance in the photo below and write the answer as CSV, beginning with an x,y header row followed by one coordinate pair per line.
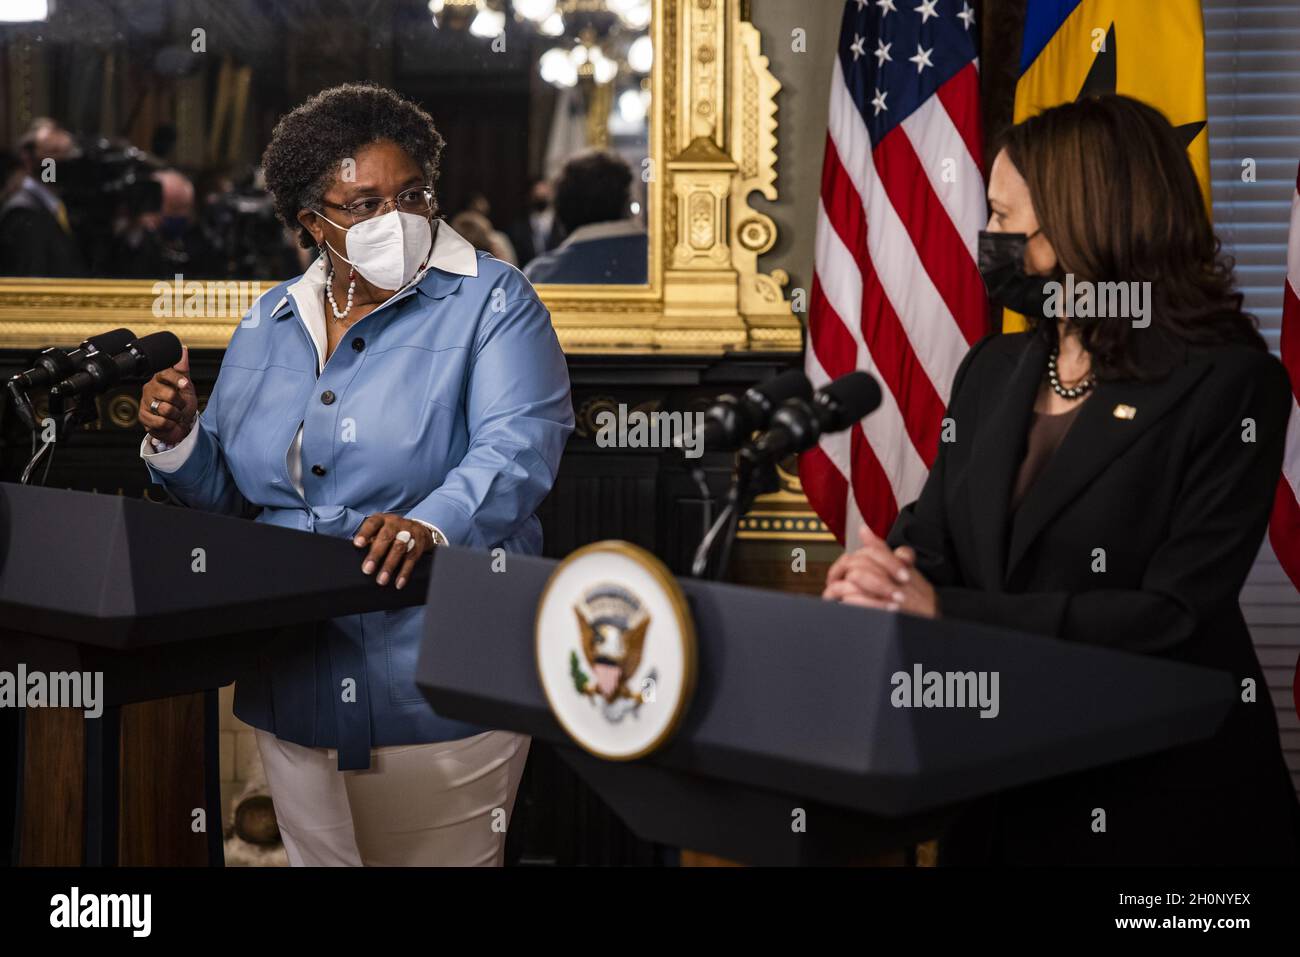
x,y
405,391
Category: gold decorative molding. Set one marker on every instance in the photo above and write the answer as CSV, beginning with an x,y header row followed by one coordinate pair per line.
x,y
784,516
762,524
713,137
754,126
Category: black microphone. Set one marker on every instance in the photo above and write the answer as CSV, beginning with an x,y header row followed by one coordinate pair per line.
x,y
140,359
732,420
799,423
55,364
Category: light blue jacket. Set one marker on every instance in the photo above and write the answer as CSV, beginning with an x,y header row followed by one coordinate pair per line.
x,y
448,404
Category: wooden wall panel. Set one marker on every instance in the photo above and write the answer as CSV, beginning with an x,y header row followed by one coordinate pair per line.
x,y
51,829
162,782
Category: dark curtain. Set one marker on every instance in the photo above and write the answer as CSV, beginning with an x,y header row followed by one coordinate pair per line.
x,y
1003,25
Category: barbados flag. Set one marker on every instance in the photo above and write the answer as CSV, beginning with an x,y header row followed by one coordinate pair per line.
x,y
1152,50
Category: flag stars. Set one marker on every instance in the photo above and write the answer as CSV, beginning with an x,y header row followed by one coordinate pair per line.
x,y
926,10
861,5
879,103
857,48
882,53
922,58
967,15
886,6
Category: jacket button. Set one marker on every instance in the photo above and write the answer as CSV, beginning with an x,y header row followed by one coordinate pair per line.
x,y
327,397
318,470
358,344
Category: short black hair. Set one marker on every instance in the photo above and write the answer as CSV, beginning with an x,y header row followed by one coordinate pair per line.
x,y
592,188
309,144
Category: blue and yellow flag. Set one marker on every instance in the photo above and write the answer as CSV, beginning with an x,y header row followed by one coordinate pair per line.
x,y
1151,51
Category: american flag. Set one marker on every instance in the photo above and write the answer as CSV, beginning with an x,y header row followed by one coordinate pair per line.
x,y
896,290
1284,528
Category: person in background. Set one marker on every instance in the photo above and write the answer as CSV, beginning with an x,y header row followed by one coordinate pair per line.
x,y
169,240
36,238
538,232
12,174
603,244
476,228
502,248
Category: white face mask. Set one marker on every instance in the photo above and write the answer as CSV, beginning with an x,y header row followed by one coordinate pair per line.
x,y
387,250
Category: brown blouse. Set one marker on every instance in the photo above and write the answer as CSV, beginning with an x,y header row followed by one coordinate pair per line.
x,y
1045,435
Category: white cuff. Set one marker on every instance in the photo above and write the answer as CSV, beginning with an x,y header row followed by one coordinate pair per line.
x,y
169,459
438,537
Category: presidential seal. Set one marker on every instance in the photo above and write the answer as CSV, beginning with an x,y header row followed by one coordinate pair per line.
x,y
615,650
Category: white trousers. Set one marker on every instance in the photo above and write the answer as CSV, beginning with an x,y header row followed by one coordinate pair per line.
x,y
442,804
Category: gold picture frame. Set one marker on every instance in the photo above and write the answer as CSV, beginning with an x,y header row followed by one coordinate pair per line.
x,y
713,137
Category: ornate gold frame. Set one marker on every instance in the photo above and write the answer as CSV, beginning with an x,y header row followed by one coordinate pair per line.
x,y
712,145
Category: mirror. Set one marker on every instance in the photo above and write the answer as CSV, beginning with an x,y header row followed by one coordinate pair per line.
x,y
135,128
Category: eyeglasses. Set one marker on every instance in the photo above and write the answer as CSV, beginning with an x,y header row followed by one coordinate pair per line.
x,y
417,199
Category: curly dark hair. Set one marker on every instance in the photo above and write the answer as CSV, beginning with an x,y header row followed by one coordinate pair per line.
x,y
592,188
310,142
1117,197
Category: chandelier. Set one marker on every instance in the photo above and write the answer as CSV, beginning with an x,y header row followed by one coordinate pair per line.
x,y
594,40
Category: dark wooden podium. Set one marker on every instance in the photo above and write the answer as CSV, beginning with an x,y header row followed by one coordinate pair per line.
x,y
645,496
793,710
103,583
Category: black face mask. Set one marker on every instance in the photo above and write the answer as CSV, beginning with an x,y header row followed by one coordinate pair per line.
x,y
1002,265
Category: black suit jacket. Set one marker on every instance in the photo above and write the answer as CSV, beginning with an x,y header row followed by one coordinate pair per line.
x,y
32,243
1138,535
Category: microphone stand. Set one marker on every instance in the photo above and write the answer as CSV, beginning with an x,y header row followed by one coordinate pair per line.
x,y
753,476
797,424
65,421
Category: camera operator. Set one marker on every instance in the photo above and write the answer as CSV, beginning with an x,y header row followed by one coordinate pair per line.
x,y
36,236
168,240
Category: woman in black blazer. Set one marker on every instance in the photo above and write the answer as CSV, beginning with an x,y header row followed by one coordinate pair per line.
x,y
1109,482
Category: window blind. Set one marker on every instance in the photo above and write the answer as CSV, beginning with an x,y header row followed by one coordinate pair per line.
x,y
1252,79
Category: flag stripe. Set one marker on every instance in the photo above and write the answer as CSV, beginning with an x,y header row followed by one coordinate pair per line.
x,y
871,485
904,175
1284,524
896,291
933,334
961,99
826,485
879,324
841,287
824,471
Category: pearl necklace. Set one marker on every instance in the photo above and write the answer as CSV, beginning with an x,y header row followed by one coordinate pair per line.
x,y
329,291
1080,390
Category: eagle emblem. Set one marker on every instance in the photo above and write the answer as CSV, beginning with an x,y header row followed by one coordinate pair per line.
x,y
612,625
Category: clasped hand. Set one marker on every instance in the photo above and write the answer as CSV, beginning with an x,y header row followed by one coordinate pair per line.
x,y
875,576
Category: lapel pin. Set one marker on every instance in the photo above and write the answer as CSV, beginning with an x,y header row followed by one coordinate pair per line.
x,y
1123,411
